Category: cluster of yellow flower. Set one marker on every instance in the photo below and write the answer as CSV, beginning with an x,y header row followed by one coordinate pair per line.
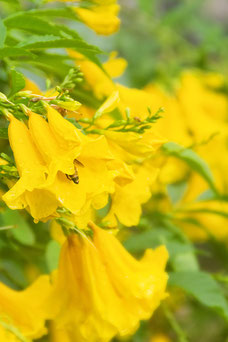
x,y
196,115
99,290
111,160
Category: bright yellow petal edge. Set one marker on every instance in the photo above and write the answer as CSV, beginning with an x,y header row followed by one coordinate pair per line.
x,y
102,290
23,313
99,291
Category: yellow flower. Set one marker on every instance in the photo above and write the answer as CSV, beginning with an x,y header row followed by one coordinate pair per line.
x,y
101,83
206,217
109,105
204,109
160,338
133,146
23,313
66,149
103,290
28,192
58,166
7,336
100,17
32,86
172,124
127,200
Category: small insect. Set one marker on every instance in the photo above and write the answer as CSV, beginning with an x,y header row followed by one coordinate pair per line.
x,y
75,177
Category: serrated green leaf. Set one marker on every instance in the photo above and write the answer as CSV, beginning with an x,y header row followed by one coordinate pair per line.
x,y
3,133
2,33
52,255
14,52
17,82
49,41
31,24
63,12
192,159
22,231
203,287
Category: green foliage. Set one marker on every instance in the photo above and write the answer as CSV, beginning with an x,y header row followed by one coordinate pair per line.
x,y
181,252
2,33
192,159
21,230
17,82
3,133
26,35
52,255
203,287
161,38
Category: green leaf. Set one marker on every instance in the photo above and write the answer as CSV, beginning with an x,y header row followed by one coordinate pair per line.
x,y
31,24
176,191
52,255
192,159
52,63
182,254
17,82
63,12
2,33
22,230
3,133
50,41
146,5
202,287
14,52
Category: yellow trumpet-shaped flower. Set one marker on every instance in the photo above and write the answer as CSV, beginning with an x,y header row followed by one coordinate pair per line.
x,y
103,290
58,166
133,146
29,191
23,313
79,163
58,154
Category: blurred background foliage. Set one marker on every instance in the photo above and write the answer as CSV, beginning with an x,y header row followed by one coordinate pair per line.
x,y
161,38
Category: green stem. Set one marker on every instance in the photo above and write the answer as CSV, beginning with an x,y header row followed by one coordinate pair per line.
x,y
181,335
